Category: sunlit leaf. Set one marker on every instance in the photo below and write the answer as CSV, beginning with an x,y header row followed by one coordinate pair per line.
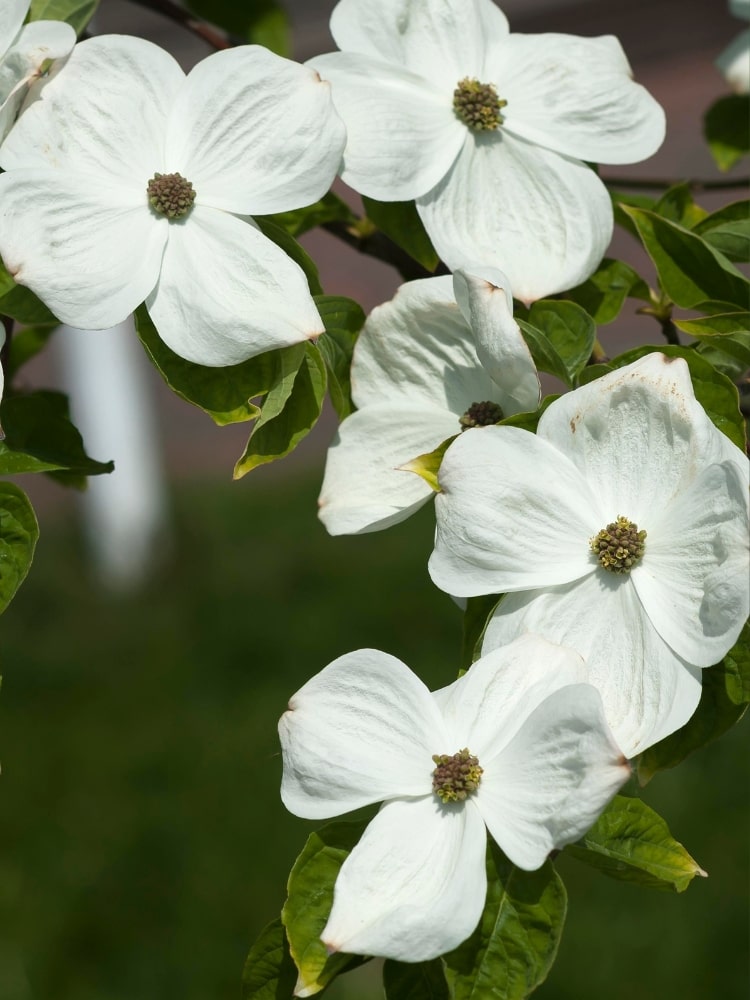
x,y
604,293
343,319
428,465
570,331
677,205
330,208
77,13
19,532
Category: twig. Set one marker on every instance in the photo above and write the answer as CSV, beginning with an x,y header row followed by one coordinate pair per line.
x,y
185,19
378,245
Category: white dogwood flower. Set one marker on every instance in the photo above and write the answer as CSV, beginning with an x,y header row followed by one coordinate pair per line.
x,y
128,181
26,51
487,130
517,746
444,355
734,61
619,529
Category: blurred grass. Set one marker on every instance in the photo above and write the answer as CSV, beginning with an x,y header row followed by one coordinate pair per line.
x,y
142,840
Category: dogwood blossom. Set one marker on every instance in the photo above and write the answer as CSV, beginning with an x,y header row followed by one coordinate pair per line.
x,y
518,745
25,52
619,529
128,181
734,61
487,130
445,355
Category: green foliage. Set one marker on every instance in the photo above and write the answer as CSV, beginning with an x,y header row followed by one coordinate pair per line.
x,y
513,948
39,437
677,205
418,981
21,304
400,221
269,973
728,230
77,13
560,335
19,532
428,465
289,412
621,201
724,340
309,902
690,271
604,293
26,344
259,22
292,249
632,843
529,421
330,208
737,669
477,614
726,126
343,319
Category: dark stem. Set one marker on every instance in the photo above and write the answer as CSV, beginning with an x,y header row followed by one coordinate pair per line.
x,y
378,245
662,183
670,331
186,20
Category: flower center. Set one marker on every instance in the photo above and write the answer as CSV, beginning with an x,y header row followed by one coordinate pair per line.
x,y
171,195
619,546
456,776
481,415
477,105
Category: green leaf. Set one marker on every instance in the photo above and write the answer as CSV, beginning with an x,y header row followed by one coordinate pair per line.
x,y
737,669
716,393
19,532
719,326
477,614
225,394
513,948
292,249
309,901
569,329
269,973
21,304
419,981
690,270
677,205
77,13
529,421
632,843
39,437
288,414
620,201
728,230
343,319
604,293
26,344
400,221
330,208
716,713
726,127
544,354
724,340
260,22
428,465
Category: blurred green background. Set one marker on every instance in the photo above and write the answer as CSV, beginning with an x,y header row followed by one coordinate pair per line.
x,y
142,840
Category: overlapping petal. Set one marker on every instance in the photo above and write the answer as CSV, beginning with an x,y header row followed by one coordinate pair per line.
x,y
542,218
648,691
12,13
63,234
402,134
254,133
500,525
364,487
551,782
414,886
362,730
36,44
226,293
576,96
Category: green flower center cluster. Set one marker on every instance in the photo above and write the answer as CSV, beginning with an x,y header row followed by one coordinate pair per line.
x,y
477,105
456,776
171,195
619,546
481,415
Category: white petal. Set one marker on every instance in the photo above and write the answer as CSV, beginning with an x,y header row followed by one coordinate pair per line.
x,y
255,133
364,488
36,43
500,345
442,40
418,349
551,783
362,730
542,218
637,435
12,13
500,526
402,134
647,690
91,250
414,887
694,580
105,113
576,96
226,293
734,63
485,707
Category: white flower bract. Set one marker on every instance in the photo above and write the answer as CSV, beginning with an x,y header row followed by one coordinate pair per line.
x,y
517,514
252,132
365,730
734,61
516,196
421,360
